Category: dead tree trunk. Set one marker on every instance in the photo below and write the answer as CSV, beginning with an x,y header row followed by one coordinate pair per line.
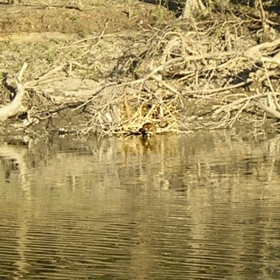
x,y
193,8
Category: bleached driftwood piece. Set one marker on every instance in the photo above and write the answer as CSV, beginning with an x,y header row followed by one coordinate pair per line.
x,y
15,105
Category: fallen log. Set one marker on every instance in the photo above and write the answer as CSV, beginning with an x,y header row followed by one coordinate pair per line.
x,y
15,106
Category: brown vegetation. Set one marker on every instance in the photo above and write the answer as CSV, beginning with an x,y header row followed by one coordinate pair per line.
x,y
180,75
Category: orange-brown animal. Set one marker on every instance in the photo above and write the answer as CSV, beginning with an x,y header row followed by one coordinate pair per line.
x,y
148,130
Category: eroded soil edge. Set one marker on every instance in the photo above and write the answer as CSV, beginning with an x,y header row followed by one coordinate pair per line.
x,y
92,72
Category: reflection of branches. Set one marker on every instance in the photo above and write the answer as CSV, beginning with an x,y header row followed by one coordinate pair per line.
x,y
16,156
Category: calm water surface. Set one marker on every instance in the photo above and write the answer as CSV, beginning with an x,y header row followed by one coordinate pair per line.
x,y
199,206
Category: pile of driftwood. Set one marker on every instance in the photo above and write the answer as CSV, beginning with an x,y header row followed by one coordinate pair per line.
x,y
184,77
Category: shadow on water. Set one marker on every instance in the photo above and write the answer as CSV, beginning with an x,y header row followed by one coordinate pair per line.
x,y
198,206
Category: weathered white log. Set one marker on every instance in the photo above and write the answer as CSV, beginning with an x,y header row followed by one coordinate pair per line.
x,y
15,106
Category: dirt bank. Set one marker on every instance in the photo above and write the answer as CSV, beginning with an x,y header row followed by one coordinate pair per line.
x,y
111,66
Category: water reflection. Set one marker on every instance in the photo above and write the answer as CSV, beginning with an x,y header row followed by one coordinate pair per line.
x,y
199,206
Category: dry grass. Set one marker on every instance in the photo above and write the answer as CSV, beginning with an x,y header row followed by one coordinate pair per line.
x,y
183,77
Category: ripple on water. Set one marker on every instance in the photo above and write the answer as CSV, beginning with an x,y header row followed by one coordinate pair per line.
x,y
187,208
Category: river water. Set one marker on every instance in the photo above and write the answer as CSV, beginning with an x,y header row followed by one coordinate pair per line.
x,y
197,206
